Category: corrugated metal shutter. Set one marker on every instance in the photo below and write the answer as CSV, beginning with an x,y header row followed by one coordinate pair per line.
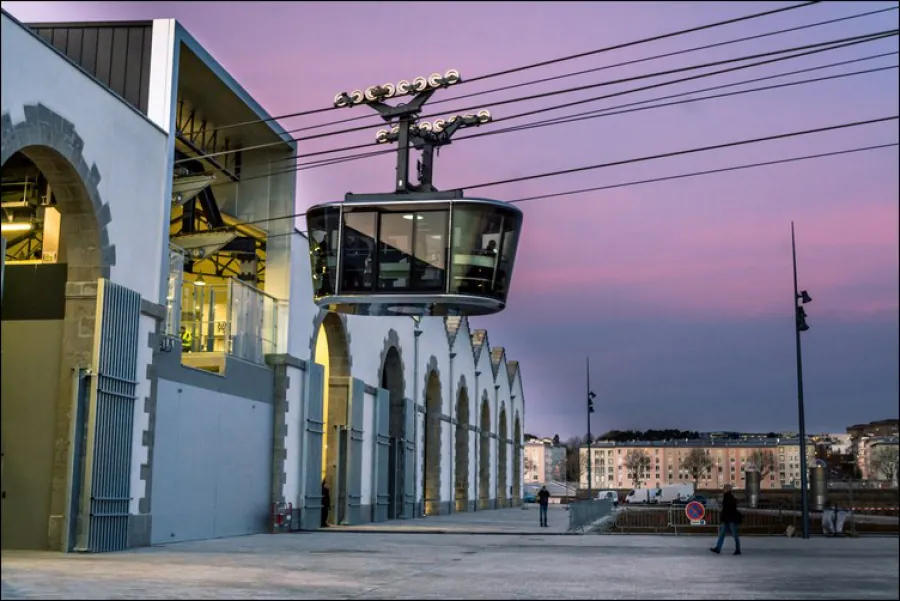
x,y
382,454
355,452
409,479
312,500
110,421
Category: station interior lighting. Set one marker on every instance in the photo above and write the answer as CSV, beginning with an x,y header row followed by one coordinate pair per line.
x,y
402,88
17,226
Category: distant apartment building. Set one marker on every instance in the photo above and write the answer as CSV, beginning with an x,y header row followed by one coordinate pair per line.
x,y
866,449
729,462
861,437
884,427
544,462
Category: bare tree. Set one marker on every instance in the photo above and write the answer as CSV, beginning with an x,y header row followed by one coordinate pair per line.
x,y
573,459
637,463
530,466
697,463
764,462
885,461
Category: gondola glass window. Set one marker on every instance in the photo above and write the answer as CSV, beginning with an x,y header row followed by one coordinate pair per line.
x,y
413,258
323,229
484,248
412,251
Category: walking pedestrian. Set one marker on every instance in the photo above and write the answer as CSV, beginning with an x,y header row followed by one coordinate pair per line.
x,y
730,519
543,504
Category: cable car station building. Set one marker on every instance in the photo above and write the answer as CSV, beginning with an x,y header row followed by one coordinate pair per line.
x,y
166,374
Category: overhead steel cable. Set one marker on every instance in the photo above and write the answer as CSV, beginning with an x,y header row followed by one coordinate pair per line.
x,y
675,153
607,112
679,176
581,117
605,67
706,172
602,97
554,61
810,49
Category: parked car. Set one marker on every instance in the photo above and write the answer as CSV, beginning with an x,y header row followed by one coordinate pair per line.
x,y
699,498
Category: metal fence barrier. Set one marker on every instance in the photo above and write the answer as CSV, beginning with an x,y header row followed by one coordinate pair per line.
x,y
584,513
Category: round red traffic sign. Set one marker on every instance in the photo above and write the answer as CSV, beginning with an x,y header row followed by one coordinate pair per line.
x,y
695,511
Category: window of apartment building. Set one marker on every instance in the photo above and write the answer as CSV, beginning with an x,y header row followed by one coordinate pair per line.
x,y
610,478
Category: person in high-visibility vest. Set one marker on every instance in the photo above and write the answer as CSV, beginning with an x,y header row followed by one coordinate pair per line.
x,y
186,340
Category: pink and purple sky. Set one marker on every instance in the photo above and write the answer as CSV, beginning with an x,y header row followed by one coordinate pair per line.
x,y
677,290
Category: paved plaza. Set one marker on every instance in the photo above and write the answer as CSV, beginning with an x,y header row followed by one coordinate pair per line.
x,y
406,561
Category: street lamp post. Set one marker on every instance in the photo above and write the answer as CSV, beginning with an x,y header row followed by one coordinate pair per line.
x,y
800,325
590,409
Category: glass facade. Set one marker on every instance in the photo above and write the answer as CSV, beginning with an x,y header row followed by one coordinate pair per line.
x,y
445,249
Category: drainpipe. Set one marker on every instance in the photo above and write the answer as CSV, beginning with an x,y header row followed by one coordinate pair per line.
x,y
477,477
452,439
497,490
416,333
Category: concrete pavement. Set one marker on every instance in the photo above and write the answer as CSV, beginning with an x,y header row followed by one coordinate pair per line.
x,y
519,520
525,565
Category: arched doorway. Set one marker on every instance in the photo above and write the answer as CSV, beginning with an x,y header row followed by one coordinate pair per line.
x,y
431,476
392,381
517,461
55,255
332,353
484,457
461,489
502,444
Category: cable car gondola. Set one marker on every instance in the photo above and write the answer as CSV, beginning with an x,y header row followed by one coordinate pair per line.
x,y
422,257
417,251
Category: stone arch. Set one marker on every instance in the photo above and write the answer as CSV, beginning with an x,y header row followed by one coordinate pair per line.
x,y
331,348
48,142
502,453
392,377
343,343
461,488
431,473
517,461
484,455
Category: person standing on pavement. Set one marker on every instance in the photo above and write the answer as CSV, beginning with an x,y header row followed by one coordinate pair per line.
x,y
543,503
730,519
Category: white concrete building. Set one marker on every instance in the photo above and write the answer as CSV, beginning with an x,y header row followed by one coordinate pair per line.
x,y
166,375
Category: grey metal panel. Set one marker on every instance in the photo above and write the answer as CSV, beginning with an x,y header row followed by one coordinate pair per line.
x,y
74,47
104,56
111,420
355,452
382,454
89,50
133,64
311,517
117,54
409,479
59,38
211,464
144,92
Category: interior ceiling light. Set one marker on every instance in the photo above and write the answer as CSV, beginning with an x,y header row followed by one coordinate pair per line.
x,y
199,281
17,226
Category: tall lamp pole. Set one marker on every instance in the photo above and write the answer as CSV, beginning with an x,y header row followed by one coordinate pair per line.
x,y
800,325
590,409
